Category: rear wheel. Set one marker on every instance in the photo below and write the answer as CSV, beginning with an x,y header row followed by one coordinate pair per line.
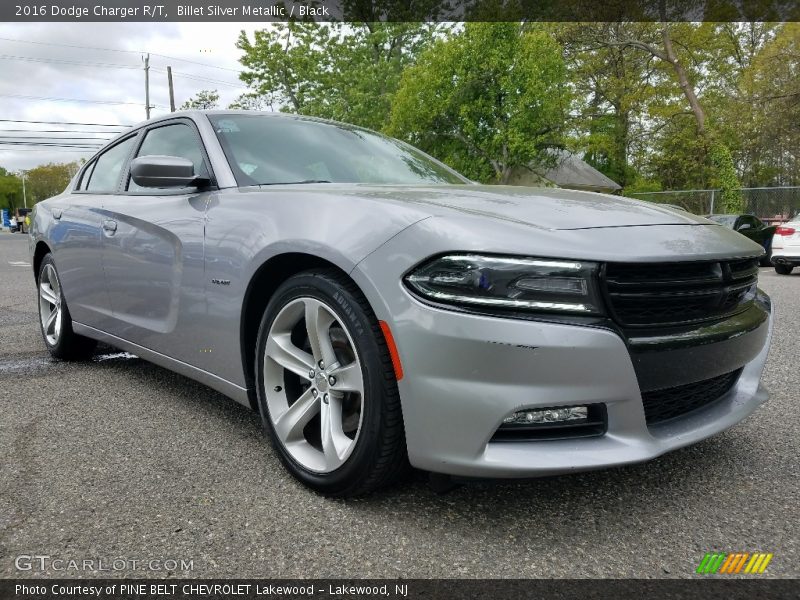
x,y
61,341
327,393
783,269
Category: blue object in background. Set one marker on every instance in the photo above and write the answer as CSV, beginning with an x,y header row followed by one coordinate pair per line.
x,y
6,218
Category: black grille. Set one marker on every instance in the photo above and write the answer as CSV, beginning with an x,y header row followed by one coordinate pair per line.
x,y
662,294
668,403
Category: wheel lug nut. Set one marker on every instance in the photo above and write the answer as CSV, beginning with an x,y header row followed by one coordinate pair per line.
x,y
325,398
332,380
314,392
311,374
321,364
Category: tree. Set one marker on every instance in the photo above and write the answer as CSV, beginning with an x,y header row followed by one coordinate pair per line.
x,y
771,136
346,72
248,101
614,87
10,190
487,100
48,180
204,100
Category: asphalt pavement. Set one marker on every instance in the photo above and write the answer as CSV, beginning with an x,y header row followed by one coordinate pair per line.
x,y
120,460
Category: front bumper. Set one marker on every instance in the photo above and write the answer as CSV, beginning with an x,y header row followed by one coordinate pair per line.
x,y
464,373
467,373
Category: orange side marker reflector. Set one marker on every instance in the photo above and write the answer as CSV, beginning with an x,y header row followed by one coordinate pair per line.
x,y
387,333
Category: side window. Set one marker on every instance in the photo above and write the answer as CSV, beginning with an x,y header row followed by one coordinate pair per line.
x,y
748,220
172,140
108,166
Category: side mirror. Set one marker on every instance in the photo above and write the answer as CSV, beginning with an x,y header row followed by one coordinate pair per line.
x,y
164,172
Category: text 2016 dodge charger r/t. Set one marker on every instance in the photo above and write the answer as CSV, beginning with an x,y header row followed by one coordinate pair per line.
x,y
378,309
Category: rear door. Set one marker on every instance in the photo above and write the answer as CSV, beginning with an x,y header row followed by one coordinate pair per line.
x,y
77,235
751,227
153,251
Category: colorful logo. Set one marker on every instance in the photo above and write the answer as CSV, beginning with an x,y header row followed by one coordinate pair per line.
x,y
731,563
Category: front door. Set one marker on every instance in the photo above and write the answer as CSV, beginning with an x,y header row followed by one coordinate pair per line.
x,y
78,240
153,253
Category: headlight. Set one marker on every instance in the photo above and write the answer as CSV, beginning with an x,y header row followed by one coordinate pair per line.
x,y
530,284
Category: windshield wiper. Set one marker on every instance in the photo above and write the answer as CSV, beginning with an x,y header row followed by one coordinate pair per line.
x,y
296,182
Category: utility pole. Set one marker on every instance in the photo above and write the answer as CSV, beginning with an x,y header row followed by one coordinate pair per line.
x,y
24,195
147,85
171,90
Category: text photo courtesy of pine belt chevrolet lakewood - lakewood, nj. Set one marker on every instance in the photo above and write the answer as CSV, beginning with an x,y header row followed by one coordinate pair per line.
x,y
351,299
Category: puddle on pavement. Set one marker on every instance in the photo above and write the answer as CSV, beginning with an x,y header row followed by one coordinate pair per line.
x,y
26,364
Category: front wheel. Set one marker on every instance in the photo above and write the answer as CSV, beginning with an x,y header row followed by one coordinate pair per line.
x,y
327,393
783,269
56,324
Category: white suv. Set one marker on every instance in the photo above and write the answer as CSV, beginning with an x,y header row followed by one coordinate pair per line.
x,y
786,246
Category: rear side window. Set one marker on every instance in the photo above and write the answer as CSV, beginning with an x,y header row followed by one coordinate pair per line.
x,y
748,220
108,166
179,140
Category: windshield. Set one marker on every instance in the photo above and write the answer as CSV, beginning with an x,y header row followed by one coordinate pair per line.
x,y
263,150
727,220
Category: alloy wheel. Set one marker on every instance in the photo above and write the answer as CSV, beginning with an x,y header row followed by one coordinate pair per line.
x,y
314,385
50,311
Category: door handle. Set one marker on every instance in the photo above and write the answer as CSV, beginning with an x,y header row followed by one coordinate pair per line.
x,y
56,213
109,225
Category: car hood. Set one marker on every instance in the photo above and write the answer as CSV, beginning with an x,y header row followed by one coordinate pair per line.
x,y
545,208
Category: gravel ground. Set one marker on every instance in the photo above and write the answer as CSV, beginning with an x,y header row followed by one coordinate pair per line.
x,y
120,458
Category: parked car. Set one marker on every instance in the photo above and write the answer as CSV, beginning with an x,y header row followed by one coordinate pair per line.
x,y
751,227
786,247
379,309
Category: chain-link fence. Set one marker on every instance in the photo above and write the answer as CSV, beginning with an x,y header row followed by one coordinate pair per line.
x,y
776,204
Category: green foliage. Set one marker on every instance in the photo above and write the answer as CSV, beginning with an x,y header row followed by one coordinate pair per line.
x,y
762,117
489,97
726,179
346,72
487,100
48,180
639,186
10,190
41,182
204,100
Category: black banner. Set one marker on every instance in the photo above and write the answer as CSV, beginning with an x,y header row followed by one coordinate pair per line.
x,y
428,589
397,10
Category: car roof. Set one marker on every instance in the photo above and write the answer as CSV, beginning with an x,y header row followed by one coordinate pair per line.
x,y
195,114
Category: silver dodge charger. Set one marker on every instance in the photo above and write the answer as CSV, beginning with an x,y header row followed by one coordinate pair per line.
x,y
379,310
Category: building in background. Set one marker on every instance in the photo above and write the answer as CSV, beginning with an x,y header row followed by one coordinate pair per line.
x,y
570,172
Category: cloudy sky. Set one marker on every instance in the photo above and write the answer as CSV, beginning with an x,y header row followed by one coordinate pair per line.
x,y
36,78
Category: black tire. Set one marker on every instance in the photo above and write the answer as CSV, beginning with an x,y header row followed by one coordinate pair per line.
x,y
783,269
766,260
379,456
68,344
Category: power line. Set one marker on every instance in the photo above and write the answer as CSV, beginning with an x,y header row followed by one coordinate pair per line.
x,y
185,76
50,137
193,62
58,99
66,62
44,150
65,145
57,131
63,123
